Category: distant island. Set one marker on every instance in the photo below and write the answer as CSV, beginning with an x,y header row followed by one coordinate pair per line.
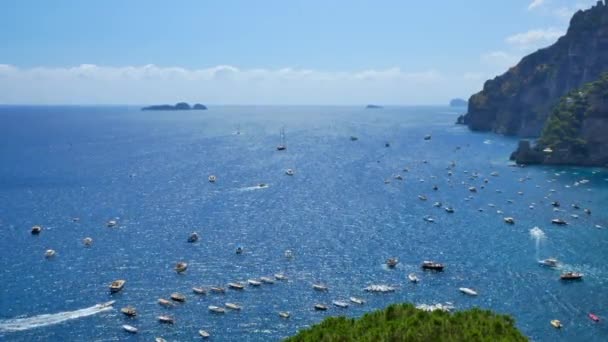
x,y
458,102
372,106
177,106
403,322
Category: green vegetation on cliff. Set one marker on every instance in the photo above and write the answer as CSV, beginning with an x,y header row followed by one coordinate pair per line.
x,y
403,322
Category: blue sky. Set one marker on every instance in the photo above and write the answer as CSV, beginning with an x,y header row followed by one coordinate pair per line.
x,y
266,52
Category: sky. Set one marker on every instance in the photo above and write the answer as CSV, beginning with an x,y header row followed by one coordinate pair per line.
x,y
275,52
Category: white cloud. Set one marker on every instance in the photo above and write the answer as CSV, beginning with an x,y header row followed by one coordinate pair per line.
x,y
535,4
500,59
534,38
224,84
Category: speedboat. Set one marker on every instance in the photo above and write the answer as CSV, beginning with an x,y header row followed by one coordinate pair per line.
x,y
422,197
571,276
472,189
559,222
178,297
254,282
164,302
267,280
217,289
392,262
509,220
199,290
319,287
216,309
290,172
431,265
468,291
130,329
111,223
212,179
262,185
320,307
36,230
117,285
181,266
357,300
429,219
203,333
106,304
594,317
233,306
437,204
280,276
550,262
166,319
49,253
413,278
284,314
193,237
556,323
87,241
449,210
236,286
129,311
340,304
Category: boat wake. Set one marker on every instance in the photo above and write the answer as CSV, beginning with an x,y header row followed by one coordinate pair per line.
x,y
27,323
537,234
256,187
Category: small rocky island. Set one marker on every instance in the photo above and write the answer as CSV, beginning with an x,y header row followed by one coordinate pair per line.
x,y
458,102
373,106
177,106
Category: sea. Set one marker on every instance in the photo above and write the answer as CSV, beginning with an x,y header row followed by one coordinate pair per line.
x,y
342,215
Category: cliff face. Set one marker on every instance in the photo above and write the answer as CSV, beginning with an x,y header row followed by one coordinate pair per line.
x,y
520,101
575,133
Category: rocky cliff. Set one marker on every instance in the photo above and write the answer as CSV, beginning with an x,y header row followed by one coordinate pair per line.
x,y
520,101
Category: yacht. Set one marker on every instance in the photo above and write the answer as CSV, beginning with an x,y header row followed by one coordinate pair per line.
x,y
290,172
203,333
437,204
212,179
36,230
468,291
129,311
112,223
217,289
87,241
178,297
254,282
49,253
556,323
413,278
284,314
166,319
164,302
267,280
282,146
199,290
193,237
280,276
571,276
357,300
216,309
559,222
130,329
340,304
550,262
509,220
181,266
449,210
431,265
236,286
159,339
233,306
392,262
422,197
319,287
320,307
117,285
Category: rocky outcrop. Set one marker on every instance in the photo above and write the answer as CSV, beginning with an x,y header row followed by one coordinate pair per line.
x,y
177,106
520,101
458,103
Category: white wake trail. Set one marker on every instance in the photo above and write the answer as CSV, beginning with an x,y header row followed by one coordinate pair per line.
x,y
20,324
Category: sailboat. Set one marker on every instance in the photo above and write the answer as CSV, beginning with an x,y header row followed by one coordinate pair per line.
x,y
282,146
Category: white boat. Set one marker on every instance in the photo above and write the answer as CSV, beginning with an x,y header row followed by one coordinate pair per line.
x,y
193,237
181,267
449,210
178,297
203,333
117,285
49,253
217,289
357,300
509,220
236,286
437,204
111,223
130,329
254,282
106,304
288,254
165,302
422,197
413,278
267,280
340,304
284,314
87,241
159,339
290,172
216,309
166,319
550,262
233,306
468,291
36,230
320,307
282,146
212,179
199,290
319,287
472,189
280,276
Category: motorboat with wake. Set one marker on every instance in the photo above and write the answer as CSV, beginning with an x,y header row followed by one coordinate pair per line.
x,y
468,291
550,262
571,276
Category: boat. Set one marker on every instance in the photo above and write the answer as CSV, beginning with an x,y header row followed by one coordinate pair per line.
x,y
357,300
587,211
290,172
262,185
164,302
288,254
117,285
239,250
472,189
280,276
233,306
429,219
129,311
236,286
413,278
398,177
559,222
166,319
555,204
431,265
193,237
509,220
422,197
36,230
353,138
380,288
571,276
282,146
199,290
435,187
392,262
550,262
556,323
254,282
437,204
284,314
49,253
217,289
548,150
387,144
594,317
159,339
340,303
212,179
203,333
178,297
111,223
427,137
468,291
181,266
449,210
319,287
130,329
267,280
87,241
216,309
320,307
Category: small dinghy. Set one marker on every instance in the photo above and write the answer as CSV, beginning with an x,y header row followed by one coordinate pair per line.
x,y
181,267
111,223
468,291
203,333
216,309
236,286
233,306
509,220
320,307
130,329
556,323
319,287
594,317
413,278
199,290
449,210
340,304
290,172
159,339
254,282
357,300
284,314
559,222
166,319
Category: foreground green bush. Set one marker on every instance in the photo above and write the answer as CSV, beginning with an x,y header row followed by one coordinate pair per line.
x,y
403,322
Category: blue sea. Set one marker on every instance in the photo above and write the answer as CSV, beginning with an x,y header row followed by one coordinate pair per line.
x,y
149,171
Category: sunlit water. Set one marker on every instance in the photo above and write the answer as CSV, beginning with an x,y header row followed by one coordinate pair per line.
x,y
337,215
